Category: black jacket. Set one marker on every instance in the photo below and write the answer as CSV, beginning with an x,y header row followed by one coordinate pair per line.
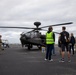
x,y
72,40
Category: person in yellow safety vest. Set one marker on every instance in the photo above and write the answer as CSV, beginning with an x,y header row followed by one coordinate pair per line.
x,y
50,40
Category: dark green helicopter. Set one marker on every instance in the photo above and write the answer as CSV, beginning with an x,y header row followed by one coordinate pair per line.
x,y
34,37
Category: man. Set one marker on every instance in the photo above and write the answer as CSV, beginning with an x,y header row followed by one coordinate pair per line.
x,y
50,39
64,44
72,43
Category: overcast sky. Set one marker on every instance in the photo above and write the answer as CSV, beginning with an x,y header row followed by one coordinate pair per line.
x,y
26,12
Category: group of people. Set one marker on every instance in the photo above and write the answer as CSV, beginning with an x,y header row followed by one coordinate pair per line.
x,y
70,45
66,42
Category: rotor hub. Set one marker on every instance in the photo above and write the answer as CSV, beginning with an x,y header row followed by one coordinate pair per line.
x,y
37,24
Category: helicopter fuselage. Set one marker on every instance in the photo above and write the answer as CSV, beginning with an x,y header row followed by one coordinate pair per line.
x,y
32,38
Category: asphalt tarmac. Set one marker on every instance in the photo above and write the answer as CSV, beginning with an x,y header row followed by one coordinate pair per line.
x,y
20,61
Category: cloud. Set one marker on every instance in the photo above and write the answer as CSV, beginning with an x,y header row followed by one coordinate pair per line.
x,y
26,12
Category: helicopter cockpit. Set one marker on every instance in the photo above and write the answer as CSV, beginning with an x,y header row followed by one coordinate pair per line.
x,y
33,34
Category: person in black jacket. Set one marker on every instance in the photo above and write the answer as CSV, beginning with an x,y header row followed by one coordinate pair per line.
x,y
72,43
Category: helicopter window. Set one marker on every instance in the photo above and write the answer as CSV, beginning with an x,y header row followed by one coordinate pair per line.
x,y
32,34
36,34
28,34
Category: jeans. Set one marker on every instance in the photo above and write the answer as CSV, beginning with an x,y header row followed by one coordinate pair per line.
x,y
49,51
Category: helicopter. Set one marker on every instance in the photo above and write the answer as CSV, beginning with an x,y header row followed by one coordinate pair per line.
x,y
34,37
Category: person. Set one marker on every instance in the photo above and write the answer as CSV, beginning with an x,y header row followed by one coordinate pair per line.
x,y
72,43
64,44
7,44
59,43
1,44
43,49
50,39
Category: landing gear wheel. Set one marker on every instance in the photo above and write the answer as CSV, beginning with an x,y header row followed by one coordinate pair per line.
x,y
39,47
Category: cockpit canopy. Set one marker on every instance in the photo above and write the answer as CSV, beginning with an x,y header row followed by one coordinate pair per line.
x,y
33,34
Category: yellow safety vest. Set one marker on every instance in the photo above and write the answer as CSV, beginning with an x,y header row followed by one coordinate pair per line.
x,y
49,38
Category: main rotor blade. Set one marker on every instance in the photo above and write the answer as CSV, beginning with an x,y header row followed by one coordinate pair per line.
x,y
58,24
53,31
44,30
16,27
30,31
57,32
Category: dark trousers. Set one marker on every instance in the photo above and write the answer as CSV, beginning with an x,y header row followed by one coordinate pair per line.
x,y
49,51
72,47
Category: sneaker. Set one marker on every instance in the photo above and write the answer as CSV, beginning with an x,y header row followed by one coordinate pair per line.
x,y
69,61
2,49
54,54
51,60
0,53
72,54
45,59
62,60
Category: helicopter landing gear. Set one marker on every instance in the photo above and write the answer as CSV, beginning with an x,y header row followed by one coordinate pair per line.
x,y
29,46
39,47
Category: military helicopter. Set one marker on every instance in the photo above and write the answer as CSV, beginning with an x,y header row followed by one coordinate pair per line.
x,y
34,37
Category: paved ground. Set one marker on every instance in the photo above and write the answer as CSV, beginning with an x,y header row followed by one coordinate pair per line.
x,y
18,61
